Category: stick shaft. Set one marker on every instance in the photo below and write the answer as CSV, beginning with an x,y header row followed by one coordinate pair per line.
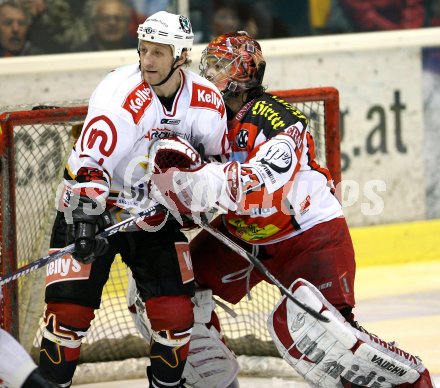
x,y
28,268
261,267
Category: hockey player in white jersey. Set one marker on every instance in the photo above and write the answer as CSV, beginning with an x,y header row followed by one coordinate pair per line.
x,y
132,106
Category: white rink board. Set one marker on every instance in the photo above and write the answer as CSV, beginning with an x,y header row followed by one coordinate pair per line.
x,y
382,147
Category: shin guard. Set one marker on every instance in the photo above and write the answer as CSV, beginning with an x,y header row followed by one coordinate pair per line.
x,y
171,320
210,364
65,327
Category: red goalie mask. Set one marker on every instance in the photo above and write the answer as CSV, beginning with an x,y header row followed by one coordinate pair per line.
x,y
233,62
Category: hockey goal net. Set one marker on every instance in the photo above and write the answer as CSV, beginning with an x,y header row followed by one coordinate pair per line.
x,y
34,145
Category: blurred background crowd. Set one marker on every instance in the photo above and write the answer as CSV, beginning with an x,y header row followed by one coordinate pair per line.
x,y
30,27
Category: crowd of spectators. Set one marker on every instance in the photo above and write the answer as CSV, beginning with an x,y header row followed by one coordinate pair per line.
x,y
29,27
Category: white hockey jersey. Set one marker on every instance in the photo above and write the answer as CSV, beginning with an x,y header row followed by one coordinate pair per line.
x,y
125,115
286,191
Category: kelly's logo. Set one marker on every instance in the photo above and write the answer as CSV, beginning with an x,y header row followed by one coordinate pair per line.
x,y
66,268
137,101
204,97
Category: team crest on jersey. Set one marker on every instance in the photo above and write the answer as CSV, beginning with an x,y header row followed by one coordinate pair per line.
x,y
205,97
241,140
279,157
99,135
137,101
185,24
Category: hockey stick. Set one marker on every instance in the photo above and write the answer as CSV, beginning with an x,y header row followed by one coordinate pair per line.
x,y
149,212
70,248
260,266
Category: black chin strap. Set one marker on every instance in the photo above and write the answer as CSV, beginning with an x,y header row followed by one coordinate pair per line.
x,y
173,69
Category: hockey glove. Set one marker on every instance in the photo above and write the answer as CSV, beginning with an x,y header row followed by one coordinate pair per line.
x,y
213,186
167,156
173,152
86,223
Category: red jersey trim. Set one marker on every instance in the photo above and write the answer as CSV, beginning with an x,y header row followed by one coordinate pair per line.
x,y
174,108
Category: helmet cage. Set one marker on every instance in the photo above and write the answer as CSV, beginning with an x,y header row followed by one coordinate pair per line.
x,y
238,61
227,69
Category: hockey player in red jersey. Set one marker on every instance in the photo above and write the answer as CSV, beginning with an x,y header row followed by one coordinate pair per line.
x,y
281,206
132,106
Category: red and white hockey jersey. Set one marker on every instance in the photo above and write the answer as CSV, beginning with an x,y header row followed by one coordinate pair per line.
x,y
286,191
125,115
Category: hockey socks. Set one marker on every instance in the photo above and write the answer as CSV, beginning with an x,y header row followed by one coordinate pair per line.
x,y
167,363
58,363
65,327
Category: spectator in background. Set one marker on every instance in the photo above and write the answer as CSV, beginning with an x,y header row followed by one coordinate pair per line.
x,y
319,11
379,15
148,7
433,13
57,26
260,13
34,7
230,16
141,9
110,21
252,16
225,17
14,25
328,17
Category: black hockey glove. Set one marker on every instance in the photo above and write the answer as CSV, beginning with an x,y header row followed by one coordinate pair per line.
x,y
84,228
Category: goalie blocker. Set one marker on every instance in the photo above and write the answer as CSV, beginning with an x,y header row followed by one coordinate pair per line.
x,y
335,354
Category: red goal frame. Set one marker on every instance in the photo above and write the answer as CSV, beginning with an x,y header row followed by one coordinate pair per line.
x,y
8,237
9,317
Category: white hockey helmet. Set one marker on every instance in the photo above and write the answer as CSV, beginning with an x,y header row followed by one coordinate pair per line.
x,y
168,28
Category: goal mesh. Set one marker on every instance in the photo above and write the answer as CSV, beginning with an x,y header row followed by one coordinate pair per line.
x,y
33,150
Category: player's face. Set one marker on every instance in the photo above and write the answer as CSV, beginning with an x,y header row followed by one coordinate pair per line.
x,y
156,61
217,70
